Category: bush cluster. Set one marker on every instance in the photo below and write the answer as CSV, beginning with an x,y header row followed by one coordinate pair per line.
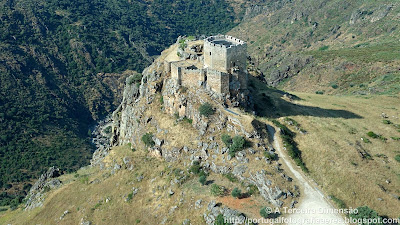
x,y
148,140
206,109
234,144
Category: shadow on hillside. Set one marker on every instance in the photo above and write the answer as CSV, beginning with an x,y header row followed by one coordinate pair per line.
x,y
273,103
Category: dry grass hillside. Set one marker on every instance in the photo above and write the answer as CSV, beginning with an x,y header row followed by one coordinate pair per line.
x,y
166,191
343,156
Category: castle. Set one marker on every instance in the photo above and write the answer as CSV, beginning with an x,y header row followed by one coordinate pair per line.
x,y
217,63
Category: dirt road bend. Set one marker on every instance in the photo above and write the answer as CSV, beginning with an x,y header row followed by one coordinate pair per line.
x,y
313,206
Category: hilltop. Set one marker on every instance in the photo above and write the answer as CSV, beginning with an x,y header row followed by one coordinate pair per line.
x,y
166,137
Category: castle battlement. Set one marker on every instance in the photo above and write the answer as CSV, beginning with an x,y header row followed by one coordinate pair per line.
x,y
224,41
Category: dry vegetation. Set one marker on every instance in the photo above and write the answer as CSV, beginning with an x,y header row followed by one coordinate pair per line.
x,y
333,145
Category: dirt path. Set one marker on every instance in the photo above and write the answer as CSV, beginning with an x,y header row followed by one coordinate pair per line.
x,y
312,201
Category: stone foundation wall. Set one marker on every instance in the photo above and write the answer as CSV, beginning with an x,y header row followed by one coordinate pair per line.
x,y
218,81
191,78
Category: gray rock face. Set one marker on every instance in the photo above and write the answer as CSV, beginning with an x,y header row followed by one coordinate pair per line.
x,y
128,163
64,214
231,215
239,171
47,181
102,142
198,204
264,186
171,155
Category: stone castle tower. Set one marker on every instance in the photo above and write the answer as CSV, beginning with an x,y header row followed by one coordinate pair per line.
x,y
217,63
224,53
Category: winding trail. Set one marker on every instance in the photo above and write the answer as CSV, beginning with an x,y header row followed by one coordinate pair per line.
x,y
312,201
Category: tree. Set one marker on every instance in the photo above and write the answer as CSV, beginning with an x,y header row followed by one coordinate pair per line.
x,y
195,168
203,180
265,212
238,143
236,193
206,109
148,140
226,139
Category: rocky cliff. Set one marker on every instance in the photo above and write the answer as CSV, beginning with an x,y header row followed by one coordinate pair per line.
x,y
142,111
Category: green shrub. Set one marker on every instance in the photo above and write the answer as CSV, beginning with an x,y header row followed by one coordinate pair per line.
x,y
323,48
231,177
236,193
84,179
387,122
148,140
319,92
226,139
397,158
130,196
372,134
162,100
203,180
252,189
202,173
130,81
217,190
238,143
107,130
395,138
270,155
220,220
137,78
265,212
195,168
364,212
365,140
334,86
206,109
340,203
187,120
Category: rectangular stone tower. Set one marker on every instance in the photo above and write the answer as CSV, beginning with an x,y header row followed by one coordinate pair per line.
x,y
223,52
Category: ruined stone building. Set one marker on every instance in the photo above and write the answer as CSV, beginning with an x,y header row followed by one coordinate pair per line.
x,y
217,63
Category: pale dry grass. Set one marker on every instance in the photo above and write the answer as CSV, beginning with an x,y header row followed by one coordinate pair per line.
x,y
329,150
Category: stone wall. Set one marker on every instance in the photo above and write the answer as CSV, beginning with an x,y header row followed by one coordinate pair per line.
x,y
236,57
176,72
218,81
191,77
214,56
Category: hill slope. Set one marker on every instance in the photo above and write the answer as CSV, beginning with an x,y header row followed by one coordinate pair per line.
x,y
335,46
60,65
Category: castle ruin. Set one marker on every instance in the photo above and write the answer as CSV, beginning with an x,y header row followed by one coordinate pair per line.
x,y
217,63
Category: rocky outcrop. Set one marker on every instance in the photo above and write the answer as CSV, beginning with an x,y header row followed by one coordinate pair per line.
x,y
368,14
271,194
229,214
255,10
101,139
46,182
